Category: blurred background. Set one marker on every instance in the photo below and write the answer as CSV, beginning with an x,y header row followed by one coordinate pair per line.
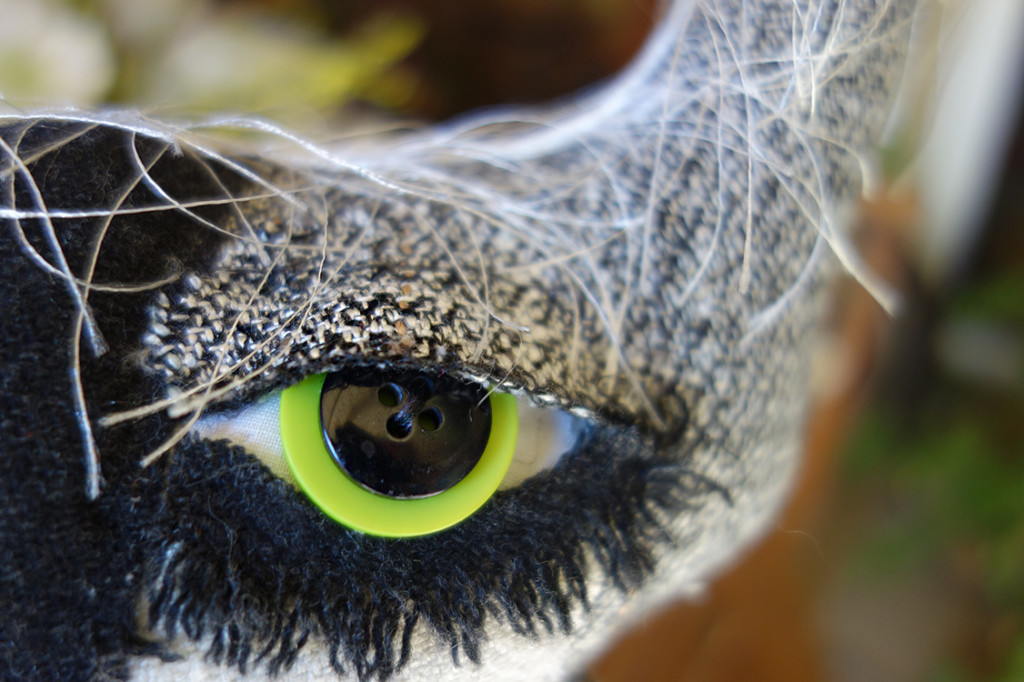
x,y
901,555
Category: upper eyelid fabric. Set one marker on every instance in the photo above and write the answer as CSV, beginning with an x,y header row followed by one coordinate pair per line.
x,y
528,292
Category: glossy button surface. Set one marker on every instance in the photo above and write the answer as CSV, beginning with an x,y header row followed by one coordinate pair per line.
x,y
351,504
411,436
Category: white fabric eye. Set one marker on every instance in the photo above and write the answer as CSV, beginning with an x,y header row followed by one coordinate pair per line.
x,y
545,435
256,428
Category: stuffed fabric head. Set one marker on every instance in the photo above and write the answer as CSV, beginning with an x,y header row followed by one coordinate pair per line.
x,y
208,336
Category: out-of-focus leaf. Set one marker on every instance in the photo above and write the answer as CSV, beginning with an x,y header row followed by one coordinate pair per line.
x,y
256,65
50,54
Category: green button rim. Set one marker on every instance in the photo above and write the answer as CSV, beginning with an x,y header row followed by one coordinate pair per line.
x,y
348,503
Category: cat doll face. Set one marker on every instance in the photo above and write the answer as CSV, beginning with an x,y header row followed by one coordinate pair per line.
x,y
632,280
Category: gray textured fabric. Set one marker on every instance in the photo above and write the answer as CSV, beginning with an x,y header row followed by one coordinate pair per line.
x,y
623,256
651,253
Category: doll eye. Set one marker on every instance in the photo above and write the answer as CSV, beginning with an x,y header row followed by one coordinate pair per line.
x,y
399,459
402,455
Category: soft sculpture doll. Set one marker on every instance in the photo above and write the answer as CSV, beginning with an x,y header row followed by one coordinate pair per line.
x,y
453,405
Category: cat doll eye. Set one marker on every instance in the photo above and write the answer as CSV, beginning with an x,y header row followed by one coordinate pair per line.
x,y
404,458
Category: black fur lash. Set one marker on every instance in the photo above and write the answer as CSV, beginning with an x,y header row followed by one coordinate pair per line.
x,y
238,556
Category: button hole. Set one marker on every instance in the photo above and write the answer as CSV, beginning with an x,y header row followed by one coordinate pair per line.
x,y
431,419
389,395
399,426
422,387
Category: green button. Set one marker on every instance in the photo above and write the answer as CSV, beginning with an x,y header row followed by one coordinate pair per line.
x,y
352,505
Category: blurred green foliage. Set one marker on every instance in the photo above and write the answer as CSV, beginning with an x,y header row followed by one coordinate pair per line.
x,y
201,56
945,469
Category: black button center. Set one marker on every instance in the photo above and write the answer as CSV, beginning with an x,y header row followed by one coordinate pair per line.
x,y
410,435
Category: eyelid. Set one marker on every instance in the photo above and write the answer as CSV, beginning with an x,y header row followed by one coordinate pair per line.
x,y
546,434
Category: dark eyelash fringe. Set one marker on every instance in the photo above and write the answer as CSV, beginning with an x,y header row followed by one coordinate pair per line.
x,y
240,557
